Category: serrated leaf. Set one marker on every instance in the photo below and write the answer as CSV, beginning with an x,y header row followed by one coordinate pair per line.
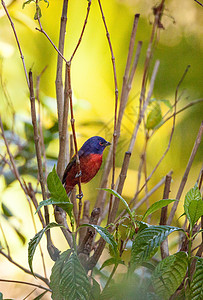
x,y
32,245
195,211
56,274
121,198
193,195
197,281
154,117
169,274
157,205
105,235
74,283
147,242
58,194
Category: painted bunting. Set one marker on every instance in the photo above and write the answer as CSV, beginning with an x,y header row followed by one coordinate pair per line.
x,y
90,156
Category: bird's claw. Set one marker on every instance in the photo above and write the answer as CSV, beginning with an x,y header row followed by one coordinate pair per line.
x,y
79,174
79,196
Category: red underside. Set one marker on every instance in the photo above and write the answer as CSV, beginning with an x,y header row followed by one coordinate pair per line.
x,y
89,166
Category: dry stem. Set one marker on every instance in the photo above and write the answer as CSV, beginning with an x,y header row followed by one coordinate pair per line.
x,y
185,176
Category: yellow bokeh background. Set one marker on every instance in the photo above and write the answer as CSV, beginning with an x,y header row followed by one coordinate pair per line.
x,y
180,44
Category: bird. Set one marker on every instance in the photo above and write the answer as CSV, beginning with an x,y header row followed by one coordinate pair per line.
x,y
90,156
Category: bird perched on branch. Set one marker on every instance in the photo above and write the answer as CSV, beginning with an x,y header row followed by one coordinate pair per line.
x,y
90,156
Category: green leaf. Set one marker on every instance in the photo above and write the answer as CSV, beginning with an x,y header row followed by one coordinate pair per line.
x,y
38,13
32,245
27,2
95,290
154,117
123,200
147,242
191,210
195,211
157,205
196,285
51,201
105,235
58,194
74,283
169,274
112,261
56,274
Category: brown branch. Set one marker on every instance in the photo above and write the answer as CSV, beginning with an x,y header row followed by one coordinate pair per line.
x,y
83,29
185,176
170,139
40,122
53,251
137,205
123,101
199,3
24,269
164,245
58,81
116,108
27,283
63,132
86,245
16,37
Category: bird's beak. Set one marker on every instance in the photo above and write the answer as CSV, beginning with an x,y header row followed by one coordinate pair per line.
x,y
107,144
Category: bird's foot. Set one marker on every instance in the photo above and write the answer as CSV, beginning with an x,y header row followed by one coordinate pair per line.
x,y
79,174
79,196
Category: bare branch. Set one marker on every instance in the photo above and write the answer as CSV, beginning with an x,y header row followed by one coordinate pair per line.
x,y
24,269
27,283
137,205
164,245
123,101
58,82
185,176
199,3
53,251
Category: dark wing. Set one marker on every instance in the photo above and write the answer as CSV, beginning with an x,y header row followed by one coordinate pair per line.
x,y
70,164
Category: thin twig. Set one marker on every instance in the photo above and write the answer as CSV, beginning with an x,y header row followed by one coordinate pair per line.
x,y
123,101
199,3
164,244
137,205
40,122
63,132
58,81
24,269
185,176
16,37
116,107
83,29
75,142
5,240
170,139
53,251
27,283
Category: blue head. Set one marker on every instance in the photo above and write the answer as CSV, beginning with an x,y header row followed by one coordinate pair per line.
x,y
95,144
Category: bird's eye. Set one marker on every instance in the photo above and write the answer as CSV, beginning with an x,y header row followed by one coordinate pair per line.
x,y
101,144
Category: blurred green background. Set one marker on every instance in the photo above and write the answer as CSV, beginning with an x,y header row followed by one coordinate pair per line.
x,y
180,44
